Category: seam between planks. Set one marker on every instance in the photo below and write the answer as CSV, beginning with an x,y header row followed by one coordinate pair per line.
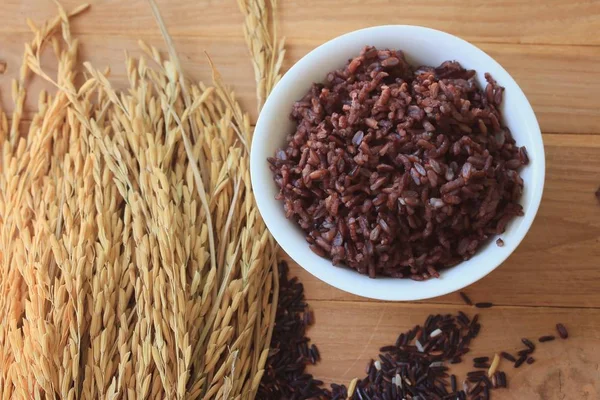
x,y
289,39
424,304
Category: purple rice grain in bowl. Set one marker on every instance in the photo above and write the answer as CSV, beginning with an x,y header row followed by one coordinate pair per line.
x,y
375,238
398,170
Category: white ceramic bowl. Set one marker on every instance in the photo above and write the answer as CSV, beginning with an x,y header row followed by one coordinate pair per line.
x,y
422,46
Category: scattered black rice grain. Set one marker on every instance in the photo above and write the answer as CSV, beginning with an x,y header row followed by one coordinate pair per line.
x,y
500,242
414,367
547,338
520,361
476,389
466,299
528,343
502,377
562,331
486,381
598,194
484,305
524,352
314,354
475,374
508,356
486,392
499,379
463,319
284,376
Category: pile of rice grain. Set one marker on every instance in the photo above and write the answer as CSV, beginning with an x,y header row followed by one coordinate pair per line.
x,y
134,262
399,171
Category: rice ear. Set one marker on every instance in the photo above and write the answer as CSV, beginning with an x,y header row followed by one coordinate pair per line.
x,y
138,249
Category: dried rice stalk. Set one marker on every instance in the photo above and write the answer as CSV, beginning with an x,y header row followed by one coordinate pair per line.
x,y
134,262
267,52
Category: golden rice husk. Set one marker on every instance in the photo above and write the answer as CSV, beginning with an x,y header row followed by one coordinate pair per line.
x,y
134,261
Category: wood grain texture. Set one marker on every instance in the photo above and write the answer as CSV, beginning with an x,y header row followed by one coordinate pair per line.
x,y
350,334
498,21
209,18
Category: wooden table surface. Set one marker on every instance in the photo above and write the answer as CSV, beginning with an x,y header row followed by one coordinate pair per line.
x,y
551,48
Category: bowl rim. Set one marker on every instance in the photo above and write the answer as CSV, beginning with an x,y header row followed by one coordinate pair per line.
x,y
370,290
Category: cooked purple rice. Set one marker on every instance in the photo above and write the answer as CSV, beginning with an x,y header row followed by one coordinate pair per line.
x,y
466,298
547,338
399,171
499,242
484,305
530,360
562,331
481,359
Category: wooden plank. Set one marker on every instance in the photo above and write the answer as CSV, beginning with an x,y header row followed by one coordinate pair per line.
x,y
558,262
535,21
563,102
349,334
210,18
